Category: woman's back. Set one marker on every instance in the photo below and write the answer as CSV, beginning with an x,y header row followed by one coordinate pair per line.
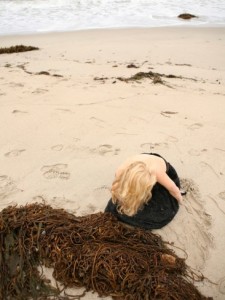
x,y
162,206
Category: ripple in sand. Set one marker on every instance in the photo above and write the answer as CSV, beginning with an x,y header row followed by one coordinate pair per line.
x,y
190,228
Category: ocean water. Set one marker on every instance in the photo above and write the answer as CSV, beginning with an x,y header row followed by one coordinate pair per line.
x,y
32,16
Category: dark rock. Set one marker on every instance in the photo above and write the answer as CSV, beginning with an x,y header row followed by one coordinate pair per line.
x,y
186,16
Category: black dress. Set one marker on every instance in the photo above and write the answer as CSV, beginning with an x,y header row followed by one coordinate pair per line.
x,y
159,211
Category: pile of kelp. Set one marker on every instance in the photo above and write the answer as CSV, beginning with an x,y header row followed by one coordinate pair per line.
x,y
94,251
17,48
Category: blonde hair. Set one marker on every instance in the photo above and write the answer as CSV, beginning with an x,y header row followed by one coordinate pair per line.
x,y
132,188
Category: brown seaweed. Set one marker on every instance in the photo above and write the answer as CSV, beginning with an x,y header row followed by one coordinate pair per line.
x,y
154,76
46,73
132,66
23,67
17,48
96,252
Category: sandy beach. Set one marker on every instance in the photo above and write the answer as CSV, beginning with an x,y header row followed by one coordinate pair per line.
x,y
71,112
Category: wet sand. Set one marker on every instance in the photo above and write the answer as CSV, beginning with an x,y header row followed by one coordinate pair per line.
x,y
67,120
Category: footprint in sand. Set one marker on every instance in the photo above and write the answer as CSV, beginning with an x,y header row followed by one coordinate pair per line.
x,y
62,202
98,122
15,84
102,191
14,153
103,149
222,195
154,146
89,209
194,152
195,126
7,186
39,91
38,198
172,139
57,147
60,147
56,171
64,175
102,194
99,195
106,149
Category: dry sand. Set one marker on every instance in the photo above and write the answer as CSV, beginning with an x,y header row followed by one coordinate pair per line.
x,y
63,137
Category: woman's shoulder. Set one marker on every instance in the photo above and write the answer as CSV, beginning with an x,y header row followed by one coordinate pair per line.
x,y
155,163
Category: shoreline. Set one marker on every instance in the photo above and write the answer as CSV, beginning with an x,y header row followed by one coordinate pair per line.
x,y
63,136
165,27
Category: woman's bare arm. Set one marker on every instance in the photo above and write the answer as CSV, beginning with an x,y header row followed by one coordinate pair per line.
x,y
164,180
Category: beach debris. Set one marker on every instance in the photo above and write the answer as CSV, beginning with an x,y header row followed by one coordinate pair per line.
x,y
186,16
90,61
155,77
95,251
47,73
23,67
42,73
168,259
56,75
17,48
132,66
185,65
167,113
101,79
